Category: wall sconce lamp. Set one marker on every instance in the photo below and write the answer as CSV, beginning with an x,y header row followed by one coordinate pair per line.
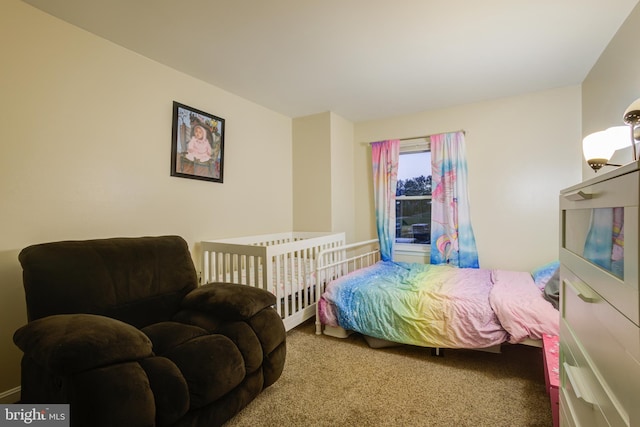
x,y
598,147
632,118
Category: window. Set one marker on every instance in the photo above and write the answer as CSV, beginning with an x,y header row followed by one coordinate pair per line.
x,y
413,196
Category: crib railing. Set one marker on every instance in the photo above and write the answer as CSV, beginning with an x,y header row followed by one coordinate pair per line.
x,y
333,263
280,263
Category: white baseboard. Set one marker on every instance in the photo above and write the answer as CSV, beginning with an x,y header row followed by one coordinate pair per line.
x,y
10,396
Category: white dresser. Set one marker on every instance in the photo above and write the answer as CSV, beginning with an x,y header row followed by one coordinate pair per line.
x,y
599,301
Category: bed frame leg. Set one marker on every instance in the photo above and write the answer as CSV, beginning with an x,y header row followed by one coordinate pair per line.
x,y
437,351
318,327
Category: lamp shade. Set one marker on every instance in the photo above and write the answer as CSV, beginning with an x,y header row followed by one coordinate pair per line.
x,y
594,146
598,147
631,115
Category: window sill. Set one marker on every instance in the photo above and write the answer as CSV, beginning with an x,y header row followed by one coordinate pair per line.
x,y
412,249
418,253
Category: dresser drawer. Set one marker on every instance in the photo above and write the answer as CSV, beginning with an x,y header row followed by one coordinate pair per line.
x,y
566,415
619,190
599,240
615,291
610,340
585,398
574,413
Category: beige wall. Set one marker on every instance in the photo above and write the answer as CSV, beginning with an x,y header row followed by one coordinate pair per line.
x,y
312,173
323,175
342,176
521,151
612,85
85,128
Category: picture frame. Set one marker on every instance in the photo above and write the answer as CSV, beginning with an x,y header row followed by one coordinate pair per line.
x,y
197,144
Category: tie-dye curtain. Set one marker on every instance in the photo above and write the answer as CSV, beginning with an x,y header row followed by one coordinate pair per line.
x,y
384,156
452,239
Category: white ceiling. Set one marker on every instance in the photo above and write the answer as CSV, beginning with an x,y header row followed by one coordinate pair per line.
x,y
361,59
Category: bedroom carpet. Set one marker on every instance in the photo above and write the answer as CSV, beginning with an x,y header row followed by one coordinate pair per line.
x,y
343,382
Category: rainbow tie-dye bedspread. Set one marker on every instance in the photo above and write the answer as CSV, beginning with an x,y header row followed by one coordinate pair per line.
x,y
438,305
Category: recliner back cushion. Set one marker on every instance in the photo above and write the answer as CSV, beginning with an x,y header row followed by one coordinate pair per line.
x,y
137,280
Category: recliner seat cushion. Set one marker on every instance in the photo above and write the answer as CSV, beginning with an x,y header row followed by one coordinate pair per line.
x,y
212,366
167,335
246,341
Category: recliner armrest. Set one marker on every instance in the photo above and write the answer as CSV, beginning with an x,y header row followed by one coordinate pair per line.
x,y
228,300
71,343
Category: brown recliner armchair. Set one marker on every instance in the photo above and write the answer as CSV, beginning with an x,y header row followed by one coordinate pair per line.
x,y
119,329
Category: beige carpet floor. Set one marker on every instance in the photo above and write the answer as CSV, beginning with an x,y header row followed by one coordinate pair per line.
x,y
343,382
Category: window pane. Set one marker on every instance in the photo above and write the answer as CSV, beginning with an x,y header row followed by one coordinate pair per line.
x,y
414,174
413,216
413,221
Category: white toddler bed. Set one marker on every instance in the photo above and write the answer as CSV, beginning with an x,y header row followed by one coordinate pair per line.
x,y
281,263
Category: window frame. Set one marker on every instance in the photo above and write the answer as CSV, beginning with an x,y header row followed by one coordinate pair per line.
x,y
417,145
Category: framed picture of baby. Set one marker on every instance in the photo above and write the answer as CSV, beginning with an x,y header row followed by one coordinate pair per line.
x,y
197,144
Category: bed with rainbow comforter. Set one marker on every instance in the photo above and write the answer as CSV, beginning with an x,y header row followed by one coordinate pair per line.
x,y
438,305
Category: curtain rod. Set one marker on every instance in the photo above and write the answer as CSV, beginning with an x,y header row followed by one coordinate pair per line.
x,y
423,136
